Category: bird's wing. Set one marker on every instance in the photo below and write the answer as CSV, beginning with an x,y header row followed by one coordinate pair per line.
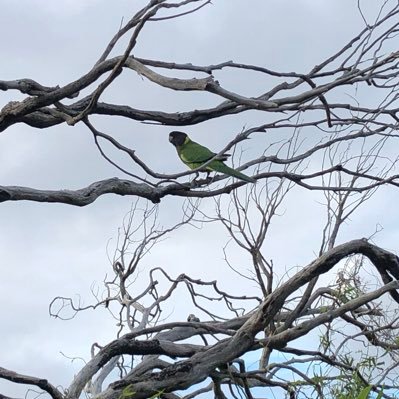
x,y
193,152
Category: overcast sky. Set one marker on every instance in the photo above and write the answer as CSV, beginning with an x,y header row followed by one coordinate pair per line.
x,y
49,249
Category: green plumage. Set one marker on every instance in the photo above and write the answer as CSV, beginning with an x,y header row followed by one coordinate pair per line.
x,y
194,155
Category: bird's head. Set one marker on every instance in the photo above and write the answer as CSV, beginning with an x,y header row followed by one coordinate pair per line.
x,y
177,138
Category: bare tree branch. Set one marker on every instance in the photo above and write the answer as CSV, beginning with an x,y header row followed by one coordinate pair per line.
x,y
25,379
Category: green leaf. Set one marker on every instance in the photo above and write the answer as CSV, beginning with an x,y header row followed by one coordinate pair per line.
x,y
127,392
157,395
364,394
380,394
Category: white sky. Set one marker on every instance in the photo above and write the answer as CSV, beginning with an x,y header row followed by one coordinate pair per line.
x,y
50,250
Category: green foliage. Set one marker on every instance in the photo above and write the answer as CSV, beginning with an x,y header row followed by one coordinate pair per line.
x,y
325,341
157,394
380,394
127,392
364,394
354,389
348,292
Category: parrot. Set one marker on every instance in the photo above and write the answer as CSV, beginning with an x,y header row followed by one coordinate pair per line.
x,y
194,155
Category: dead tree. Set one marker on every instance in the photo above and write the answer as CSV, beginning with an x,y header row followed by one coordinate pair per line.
x,y
349,146
290,100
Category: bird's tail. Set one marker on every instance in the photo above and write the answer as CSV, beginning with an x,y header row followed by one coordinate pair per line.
x,y
223,168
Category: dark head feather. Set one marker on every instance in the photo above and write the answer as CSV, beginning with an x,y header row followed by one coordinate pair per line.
x,y
177,138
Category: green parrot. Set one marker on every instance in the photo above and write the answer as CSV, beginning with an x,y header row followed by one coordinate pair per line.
x,y
194,155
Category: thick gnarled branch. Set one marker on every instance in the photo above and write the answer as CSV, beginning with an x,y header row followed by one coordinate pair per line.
x,y
183,374
26,379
